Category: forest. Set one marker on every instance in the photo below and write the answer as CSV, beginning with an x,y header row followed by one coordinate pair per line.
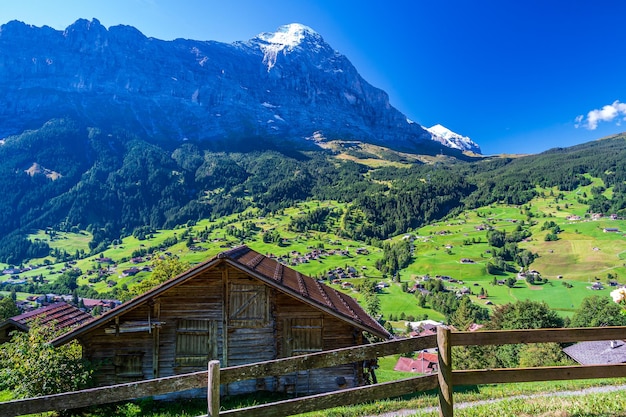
x,y
113,184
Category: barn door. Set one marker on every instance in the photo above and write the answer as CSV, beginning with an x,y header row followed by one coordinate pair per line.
x,y
248,305
302,336
196,342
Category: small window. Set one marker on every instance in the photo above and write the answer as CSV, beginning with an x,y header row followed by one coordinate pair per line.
x,y
196,342
129,365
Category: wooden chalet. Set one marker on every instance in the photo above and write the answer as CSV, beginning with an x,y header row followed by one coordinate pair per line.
x,y
239,307
59,314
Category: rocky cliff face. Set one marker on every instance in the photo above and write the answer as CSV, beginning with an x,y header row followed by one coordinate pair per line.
x,y
282,88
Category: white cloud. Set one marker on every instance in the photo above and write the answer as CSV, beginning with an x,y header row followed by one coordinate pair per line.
x,y
607,113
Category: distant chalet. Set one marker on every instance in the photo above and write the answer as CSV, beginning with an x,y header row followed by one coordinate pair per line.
x,y
60,314
239,307
603,352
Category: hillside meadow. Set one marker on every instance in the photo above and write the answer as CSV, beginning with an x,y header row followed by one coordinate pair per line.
x,y
456,247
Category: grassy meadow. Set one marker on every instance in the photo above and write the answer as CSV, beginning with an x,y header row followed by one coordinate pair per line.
x,y
583,254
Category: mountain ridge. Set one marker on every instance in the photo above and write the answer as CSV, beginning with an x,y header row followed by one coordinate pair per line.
x,y
281,87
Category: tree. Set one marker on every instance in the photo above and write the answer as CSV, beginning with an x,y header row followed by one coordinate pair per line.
x,y
596,311
496,238
535,355
162,270
372,303
521,315
8,308
30,366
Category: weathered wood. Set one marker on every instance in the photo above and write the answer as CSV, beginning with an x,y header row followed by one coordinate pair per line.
x,y
346,397
504,337
326,358
349,355
225,303
104,395
444,355
554,373
156,341
213,382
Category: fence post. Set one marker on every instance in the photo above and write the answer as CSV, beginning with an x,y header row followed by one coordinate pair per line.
x,y
214,388
446,406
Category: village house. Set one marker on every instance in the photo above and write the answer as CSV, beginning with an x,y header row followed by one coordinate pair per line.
x,y
425,363
603,352
59,314
238,307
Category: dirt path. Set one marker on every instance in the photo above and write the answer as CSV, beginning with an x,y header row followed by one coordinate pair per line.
x,y
585,391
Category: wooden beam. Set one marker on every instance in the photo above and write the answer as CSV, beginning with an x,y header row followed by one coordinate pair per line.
x,y
504,337
444,354
156,340
345,397
225,308
553,373
326,359
104,395
213,382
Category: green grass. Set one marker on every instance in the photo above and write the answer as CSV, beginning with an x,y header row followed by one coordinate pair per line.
x,y
603,404
582,254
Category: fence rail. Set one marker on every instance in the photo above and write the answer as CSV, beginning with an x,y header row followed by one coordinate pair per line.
x,y
445,380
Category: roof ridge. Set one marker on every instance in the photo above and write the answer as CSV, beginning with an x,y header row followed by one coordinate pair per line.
x,y
350,309
301,284
234,253
325,295
254,262
278,272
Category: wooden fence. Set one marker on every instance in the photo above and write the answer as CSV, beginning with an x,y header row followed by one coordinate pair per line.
x,y
445,379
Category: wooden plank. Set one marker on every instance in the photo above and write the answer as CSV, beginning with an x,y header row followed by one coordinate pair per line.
x,y
444,355
156,341
553,373
326,358
225,308
213,382
346,397
504,337
104,395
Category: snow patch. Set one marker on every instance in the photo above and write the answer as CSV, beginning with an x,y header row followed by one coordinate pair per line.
x,y
268,105
350,97
277,117
451,139
284,40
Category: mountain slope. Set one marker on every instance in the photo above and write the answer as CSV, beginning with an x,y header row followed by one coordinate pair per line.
x,y
276,90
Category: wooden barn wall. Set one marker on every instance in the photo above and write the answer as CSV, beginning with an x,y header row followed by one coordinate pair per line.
x,y
108,350
335,334
251,328
199,298
243,320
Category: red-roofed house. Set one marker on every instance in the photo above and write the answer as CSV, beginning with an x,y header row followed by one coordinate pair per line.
x,y
239,307
61,314
425,363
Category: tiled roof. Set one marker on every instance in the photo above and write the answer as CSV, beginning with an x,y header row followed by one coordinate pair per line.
x,y
598,352
421,364
63,314
305,286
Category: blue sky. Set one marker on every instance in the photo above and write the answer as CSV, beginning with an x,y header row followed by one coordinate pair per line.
x,y
515,76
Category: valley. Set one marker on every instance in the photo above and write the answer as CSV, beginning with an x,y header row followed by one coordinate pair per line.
x,y
587,253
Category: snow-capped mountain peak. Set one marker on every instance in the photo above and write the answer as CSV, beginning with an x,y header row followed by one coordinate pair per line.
x,y
288,36
285,39
453,140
